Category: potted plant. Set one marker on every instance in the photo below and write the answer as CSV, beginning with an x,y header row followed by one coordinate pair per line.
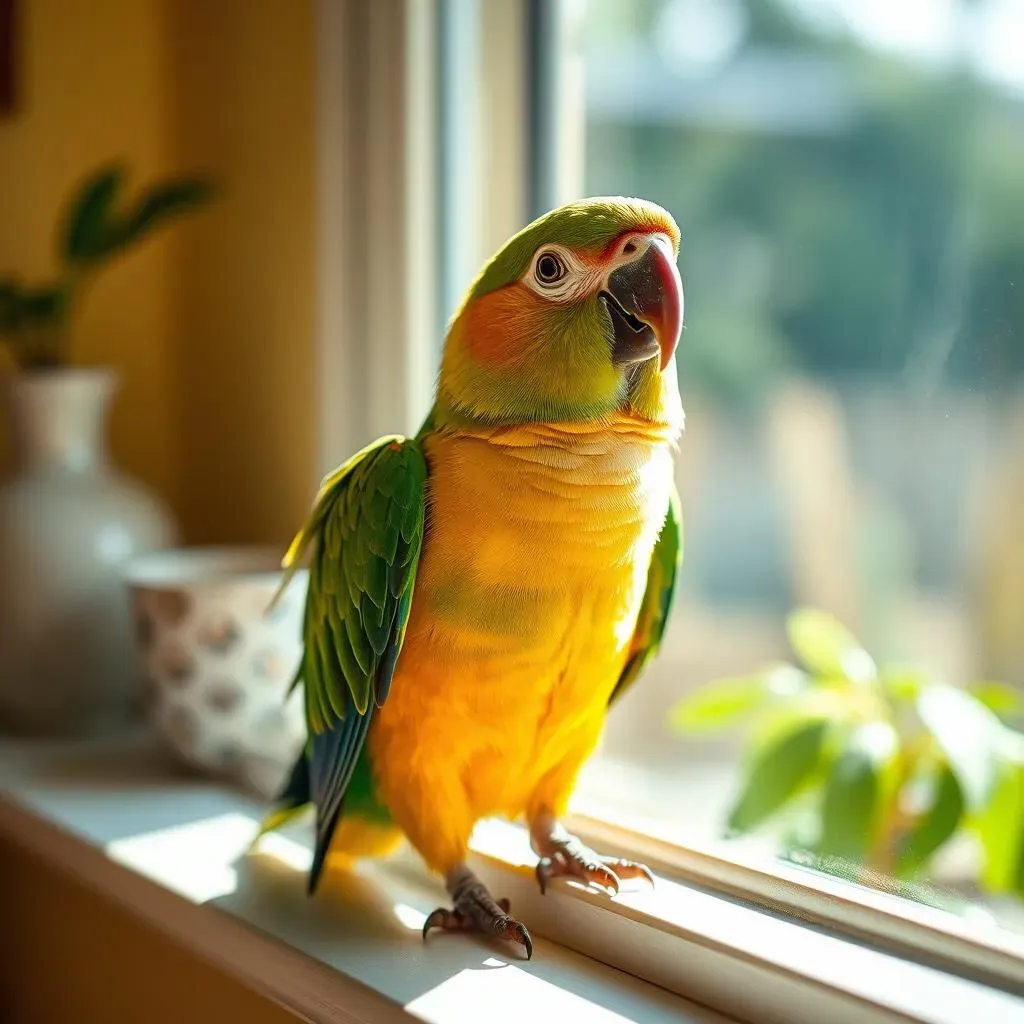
x,y
863,770
68,519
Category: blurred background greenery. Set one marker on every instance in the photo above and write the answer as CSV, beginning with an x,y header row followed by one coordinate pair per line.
x,y
848,213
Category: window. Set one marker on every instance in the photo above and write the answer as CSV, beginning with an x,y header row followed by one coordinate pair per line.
x,y
847,178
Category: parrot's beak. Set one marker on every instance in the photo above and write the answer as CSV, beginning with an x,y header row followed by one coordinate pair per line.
x,y
644,298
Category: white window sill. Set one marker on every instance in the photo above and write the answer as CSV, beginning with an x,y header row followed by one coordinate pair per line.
x,y
171,848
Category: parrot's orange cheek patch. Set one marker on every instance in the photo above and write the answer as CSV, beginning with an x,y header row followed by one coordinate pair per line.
x,y
499,324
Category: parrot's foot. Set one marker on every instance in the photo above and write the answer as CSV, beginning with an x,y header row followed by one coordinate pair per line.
x,y
562,855
476,910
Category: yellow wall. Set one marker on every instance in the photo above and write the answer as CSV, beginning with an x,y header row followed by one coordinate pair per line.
x,y
211,321
94,86
244,108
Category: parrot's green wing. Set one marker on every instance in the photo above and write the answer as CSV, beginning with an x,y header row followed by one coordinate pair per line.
x,y
657,602
367,525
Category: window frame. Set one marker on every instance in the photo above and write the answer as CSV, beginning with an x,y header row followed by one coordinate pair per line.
x,y
393,256
891,922
376,111
747,961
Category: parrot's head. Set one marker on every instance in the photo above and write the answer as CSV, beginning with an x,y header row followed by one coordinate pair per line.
x,y
577,317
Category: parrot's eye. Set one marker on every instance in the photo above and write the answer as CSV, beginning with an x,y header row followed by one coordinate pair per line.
x,y
550,268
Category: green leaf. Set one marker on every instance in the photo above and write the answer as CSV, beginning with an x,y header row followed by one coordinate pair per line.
x,y
1000,698
88,222
970,736
777,773
904,682
44,306
999,826
827,647
934,826
726,701
853,788
718,704
11,305
814,704
161,203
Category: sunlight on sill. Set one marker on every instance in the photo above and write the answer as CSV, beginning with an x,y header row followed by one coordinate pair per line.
x,y
412,918
193,860
507,993
197,859
201,861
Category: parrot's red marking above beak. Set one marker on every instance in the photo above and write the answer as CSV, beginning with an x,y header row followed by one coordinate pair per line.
x,y
644,297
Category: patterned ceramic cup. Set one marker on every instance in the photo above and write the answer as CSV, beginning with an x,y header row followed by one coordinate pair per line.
x,y
217,664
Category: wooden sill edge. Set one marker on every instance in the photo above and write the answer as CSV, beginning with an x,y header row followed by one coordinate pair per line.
x,y
304,987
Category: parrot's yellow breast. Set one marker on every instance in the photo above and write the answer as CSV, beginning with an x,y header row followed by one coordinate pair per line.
x,y
535,560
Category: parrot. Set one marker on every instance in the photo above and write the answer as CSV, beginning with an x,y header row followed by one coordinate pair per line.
x,y
480,594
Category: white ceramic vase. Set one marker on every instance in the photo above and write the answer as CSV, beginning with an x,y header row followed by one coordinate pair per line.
x,y
69,522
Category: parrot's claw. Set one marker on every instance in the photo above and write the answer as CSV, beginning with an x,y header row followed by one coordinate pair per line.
x,y
564,856
606,873
476,910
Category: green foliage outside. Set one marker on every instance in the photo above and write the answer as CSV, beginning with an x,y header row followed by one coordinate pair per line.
x,y
97,225
886,246
871,769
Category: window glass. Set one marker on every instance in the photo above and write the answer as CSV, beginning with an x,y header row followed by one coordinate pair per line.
x,y
848,176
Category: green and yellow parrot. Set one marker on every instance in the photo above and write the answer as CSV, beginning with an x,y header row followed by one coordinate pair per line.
x,y
481,593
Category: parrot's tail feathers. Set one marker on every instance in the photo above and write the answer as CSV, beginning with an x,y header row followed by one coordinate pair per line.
x,y
320,854
294,799
296,792
333,754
